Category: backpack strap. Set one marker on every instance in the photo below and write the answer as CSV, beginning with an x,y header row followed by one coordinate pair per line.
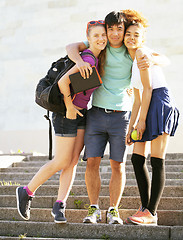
x,y
90,54
50,135
94,58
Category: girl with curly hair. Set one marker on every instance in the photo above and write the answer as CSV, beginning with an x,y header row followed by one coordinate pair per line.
x,y
155,118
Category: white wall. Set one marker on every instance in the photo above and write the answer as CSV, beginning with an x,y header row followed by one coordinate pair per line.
x,y
34,33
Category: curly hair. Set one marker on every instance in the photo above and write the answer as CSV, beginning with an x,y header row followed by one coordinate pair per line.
x,y
134,17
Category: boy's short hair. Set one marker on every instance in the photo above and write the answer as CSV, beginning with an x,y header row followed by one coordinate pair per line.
x,y
114,18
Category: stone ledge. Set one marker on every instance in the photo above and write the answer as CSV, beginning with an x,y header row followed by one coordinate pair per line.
x,y
86,231
89,231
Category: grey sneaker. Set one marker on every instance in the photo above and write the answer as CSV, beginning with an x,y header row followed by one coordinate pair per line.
x,y
113,217
23,203
58,212
94,215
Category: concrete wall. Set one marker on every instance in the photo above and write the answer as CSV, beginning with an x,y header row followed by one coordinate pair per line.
x,y
34,33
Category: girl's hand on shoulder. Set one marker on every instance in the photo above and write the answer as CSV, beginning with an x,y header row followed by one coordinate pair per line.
x,y
144,59
129,91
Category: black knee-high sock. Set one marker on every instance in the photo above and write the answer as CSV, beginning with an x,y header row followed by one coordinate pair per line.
x,y
158,183
142,177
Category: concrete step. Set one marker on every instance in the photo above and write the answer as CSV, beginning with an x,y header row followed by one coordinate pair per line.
x,y
129,182
45,158
51,190
165,217
74,202
79,176
170,210
88,231
39,238
103,169
83,164
169,156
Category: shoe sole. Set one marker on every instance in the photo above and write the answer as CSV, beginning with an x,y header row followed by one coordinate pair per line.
x,y
17,197
116,222
128,222
143,224
56,220
88,221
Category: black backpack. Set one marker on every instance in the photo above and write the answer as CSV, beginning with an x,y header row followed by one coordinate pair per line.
x,y
48,94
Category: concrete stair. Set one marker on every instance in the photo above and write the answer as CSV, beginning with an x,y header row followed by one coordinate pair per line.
x,y
41,225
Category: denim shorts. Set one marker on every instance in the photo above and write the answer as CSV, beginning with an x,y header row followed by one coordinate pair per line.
x,y
103,127
65,127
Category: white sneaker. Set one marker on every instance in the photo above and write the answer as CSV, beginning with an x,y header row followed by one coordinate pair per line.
x,y
113,217
94,215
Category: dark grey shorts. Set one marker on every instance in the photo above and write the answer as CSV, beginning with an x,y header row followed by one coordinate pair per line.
x,y
103,127
65,127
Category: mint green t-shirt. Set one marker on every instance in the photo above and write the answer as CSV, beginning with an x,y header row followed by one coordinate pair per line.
x,y
112,93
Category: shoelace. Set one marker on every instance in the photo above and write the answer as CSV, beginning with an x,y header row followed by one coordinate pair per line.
x,y
30,198
142,213
29,202
114,212
141,209
62,208
91,210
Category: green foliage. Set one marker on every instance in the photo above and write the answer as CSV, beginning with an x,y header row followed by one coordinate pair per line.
x,y
8,183
14,219
78,203
22,236
104,236
71,193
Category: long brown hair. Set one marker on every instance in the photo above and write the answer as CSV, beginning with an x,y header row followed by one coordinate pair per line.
x,y
101,62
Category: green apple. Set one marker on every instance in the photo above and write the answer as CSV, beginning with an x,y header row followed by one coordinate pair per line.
x,y
134,135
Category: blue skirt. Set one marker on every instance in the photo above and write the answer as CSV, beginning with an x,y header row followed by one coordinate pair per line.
x,y
162,115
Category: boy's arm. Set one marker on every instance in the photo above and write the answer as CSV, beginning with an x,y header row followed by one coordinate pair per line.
x,y
73,51
152,58
160,59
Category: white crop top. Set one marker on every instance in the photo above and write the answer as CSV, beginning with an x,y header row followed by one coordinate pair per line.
x,y
157,77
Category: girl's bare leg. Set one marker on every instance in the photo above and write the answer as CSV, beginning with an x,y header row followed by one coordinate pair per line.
x,y
68,174
64,147
159,146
